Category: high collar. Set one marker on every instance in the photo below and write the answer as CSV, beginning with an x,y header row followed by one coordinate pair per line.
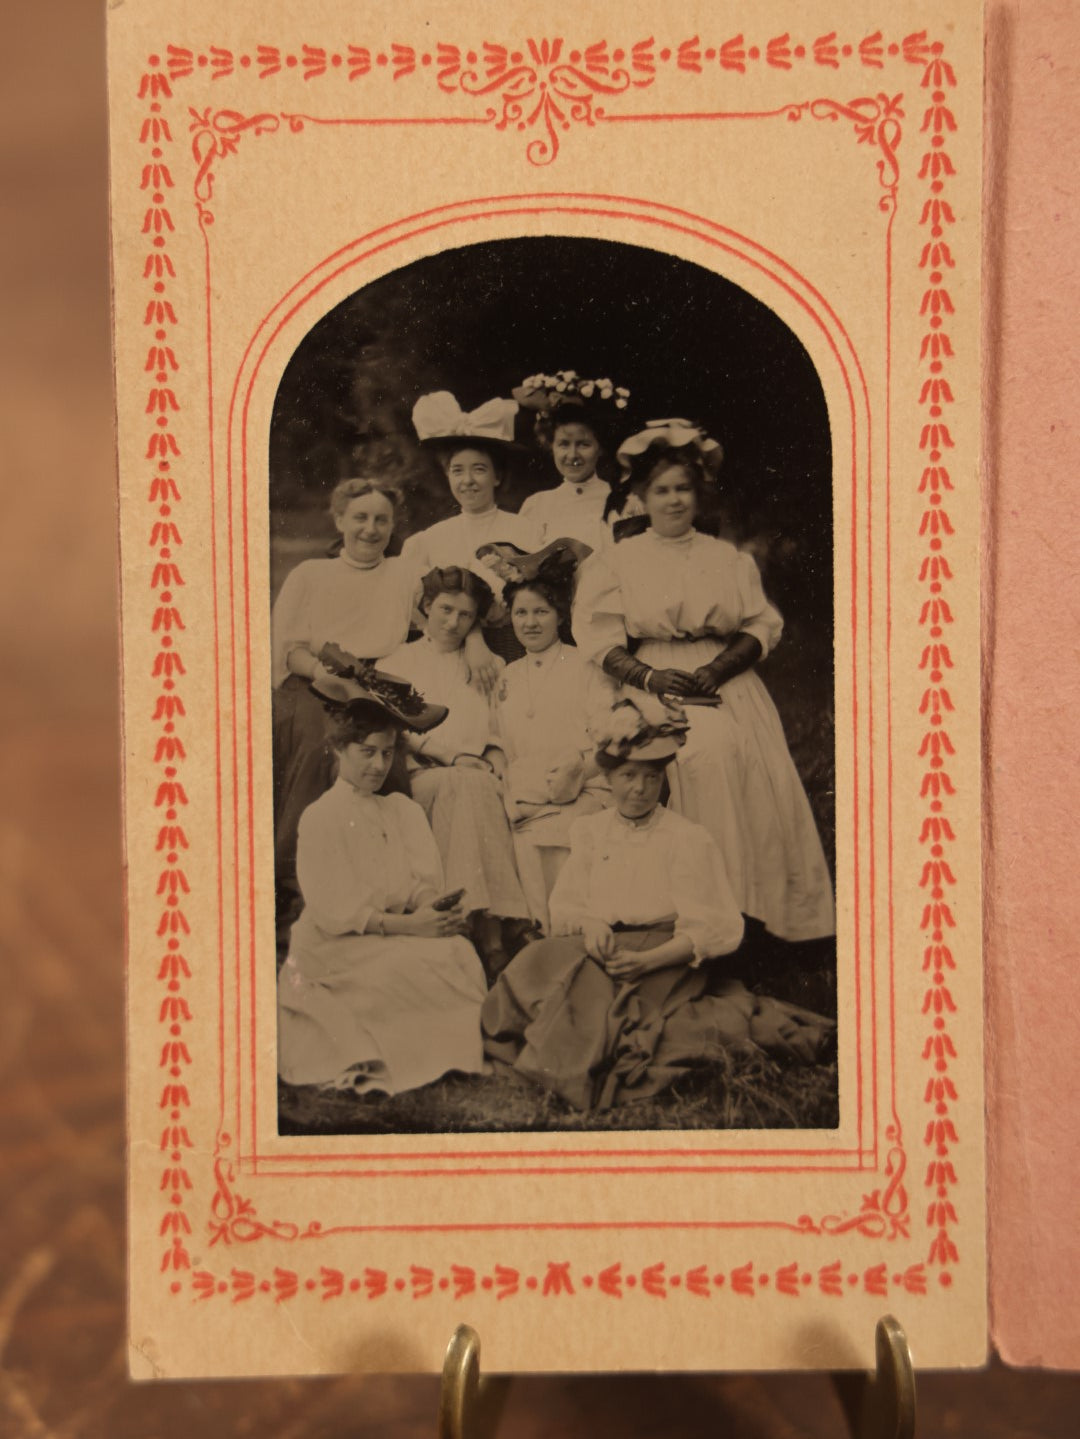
x,y
356,565
349,794
447,656
672,541
628,827
481,517
590,488
546,658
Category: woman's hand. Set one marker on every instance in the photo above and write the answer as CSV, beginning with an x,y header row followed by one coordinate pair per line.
x,y
431,923
706,681
564,781
627,964
484,667
599,939
671,682
301,661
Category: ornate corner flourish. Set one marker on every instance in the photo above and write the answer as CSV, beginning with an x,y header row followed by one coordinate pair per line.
x,y
547,87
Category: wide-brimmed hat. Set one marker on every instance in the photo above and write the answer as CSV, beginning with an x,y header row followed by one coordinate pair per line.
x,y
647,728
441,424
566,396
672,435
555,563
353,681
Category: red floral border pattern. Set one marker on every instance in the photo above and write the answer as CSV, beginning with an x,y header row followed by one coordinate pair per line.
x,y
546,86
167,626
559,1278
937,834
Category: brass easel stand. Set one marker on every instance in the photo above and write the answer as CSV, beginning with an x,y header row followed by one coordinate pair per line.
x,y
469,1407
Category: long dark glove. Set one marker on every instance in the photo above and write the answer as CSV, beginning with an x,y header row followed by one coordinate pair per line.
x,y
742,651
621,665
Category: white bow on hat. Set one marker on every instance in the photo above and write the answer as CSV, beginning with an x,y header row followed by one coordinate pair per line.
x,y
672,432
439,416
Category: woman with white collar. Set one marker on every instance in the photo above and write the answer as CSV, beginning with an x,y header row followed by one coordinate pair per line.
x,y
380,991
694,610
473,450
574,417
451,773
362,601
546,708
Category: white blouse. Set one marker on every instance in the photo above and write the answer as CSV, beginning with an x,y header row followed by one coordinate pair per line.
x,y
455,542
551,705
360,853
443,678
651,587
365,610
668,868
572,510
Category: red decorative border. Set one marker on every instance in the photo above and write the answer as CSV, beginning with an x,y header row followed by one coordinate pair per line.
x,y
560,1279
937,834
549,87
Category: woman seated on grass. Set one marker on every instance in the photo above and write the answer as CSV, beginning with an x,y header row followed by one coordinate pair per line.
x,y
380,991
614,1006
451,770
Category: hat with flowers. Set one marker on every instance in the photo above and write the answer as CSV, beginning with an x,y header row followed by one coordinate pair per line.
x,y
644,728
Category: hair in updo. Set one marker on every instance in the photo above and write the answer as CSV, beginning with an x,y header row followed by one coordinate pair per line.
x,y
453,580
496,453
356,721
357,487
557,595
662,456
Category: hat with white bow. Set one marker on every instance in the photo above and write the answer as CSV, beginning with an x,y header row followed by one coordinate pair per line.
x,y
440,422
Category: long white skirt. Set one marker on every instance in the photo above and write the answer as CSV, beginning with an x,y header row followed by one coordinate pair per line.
x,y
379,1013
735,776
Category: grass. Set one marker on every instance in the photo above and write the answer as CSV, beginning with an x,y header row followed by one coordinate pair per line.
x,y
746,1090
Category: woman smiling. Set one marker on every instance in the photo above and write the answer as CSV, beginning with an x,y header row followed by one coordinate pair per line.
x,y
694,610
359,600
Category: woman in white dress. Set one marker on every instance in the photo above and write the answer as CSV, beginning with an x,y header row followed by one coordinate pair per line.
x,y
473,450
547,706
450,768
694,610
618,1003
360,600
573,423
379,991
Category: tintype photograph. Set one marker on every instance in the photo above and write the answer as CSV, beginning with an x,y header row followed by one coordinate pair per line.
x,y
554,750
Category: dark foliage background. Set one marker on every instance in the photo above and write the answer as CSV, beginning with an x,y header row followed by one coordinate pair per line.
x,y
682,339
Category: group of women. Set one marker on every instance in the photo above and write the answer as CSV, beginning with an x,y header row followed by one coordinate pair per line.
x,y
471,820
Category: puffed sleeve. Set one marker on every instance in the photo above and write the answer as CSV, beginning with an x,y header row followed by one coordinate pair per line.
x,y
705,907
290,623
335,894
427,876
414,553
760,618
531,513
569,901
598,620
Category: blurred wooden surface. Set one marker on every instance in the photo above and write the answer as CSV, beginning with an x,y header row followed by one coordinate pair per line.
x,y
62,1359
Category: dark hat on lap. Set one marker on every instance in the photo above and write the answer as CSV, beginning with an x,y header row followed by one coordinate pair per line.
x,y
352,681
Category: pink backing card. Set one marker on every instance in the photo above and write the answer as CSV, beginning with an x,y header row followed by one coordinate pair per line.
x,y
1032,453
